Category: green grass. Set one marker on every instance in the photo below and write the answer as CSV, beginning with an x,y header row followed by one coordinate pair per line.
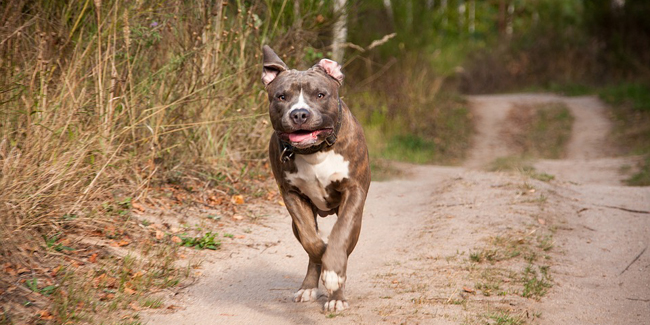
x,y
535,131
634,95
642,177
207,241
410,148
571,89
630,103
536,284
153,303
540,131
520,164
428,128
504,318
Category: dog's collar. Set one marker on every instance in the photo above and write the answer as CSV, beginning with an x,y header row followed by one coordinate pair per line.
x,y
287,151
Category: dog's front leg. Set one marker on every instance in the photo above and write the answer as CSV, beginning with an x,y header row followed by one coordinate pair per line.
x,y
306,231
342,241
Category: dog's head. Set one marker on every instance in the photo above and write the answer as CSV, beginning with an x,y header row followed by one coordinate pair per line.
x,y
303,105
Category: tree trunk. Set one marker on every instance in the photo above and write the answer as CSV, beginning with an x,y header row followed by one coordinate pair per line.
x,y
340,30
511,18
472,16
389,11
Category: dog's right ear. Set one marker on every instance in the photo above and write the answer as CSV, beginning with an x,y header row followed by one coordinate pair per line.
x,y
273,65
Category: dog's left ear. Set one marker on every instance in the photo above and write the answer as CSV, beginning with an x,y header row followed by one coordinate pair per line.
x,y
273,65
332,68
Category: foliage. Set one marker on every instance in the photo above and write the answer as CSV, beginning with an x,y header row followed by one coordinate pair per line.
x,y
631,112
102,99
105,96
202,242
633,95
536,285
539,131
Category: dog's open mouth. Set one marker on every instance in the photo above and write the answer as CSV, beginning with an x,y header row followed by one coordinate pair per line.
x,y
305,137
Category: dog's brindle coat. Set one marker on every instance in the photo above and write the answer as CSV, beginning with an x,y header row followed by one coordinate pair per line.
x,y
319,158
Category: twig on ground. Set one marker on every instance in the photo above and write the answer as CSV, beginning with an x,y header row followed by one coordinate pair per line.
x,y
634,260
638,299
624,209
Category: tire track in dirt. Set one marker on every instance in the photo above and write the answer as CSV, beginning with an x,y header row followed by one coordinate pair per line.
x,y
411,264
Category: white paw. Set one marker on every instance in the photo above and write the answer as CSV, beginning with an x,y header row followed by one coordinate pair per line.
x,y
304,295
336,305
332,281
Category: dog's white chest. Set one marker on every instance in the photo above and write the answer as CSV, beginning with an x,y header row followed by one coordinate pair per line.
x,y
315,172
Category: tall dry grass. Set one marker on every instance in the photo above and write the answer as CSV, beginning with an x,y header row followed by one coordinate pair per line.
x,y
108,95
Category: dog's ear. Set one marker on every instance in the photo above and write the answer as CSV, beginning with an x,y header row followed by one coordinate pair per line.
x,y
273,65
332,68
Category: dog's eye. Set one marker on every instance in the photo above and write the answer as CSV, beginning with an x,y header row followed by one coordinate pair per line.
x,y
321,95
282,97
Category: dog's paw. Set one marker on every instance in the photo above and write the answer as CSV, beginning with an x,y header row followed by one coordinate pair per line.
x,y
336,305
332,281
304,295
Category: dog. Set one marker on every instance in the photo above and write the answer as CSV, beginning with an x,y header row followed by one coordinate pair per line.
x,y
319,158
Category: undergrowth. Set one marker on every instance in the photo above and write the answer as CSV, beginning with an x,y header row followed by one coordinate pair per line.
x,y
105,100
630,103
539,131
412,120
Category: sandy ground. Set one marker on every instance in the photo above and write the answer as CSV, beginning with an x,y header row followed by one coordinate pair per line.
x,y
412,263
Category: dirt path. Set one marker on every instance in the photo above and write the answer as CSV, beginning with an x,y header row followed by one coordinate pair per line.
x,y
451,245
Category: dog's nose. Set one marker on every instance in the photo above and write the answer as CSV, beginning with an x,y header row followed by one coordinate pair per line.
x,y
300,116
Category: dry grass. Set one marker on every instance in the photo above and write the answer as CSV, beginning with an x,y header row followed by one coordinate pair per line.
x,y
409,116
539,131
100,101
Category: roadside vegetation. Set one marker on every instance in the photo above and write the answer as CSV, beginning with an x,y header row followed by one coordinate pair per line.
x,y
539,131
109,109
630,104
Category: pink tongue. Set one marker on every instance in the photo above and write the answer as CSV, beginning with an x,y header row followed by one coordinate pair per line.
x,y
300,137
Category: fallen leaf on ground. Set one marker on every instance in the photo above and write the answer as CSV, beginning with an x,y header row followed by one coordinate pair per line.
x,y
177,239
129,291
240,236
11,271
93,258
469,290
22,270
106,296
541,221
237,199
160,235
214,200
44,314
138,206
123,243
237,217
134,306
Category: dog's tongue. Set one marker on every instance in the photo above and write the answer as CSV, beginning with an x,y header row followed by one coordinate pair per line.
x,y
302,136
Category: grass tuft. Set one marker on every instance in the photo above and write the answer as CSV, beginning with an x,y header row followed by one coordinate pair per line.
x,y
539,131
536,284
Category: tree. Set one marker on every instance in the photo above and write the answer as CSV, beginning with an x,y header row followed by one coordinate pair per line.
x,y
340,30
